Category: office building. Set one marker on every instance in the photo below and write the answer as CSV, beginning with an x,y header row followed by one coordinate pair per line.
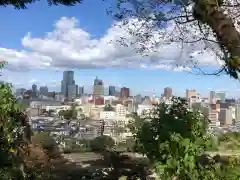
x,y
72,91
221,96
212,97
167,92
20,91
191,93
213,117
124,92
98,88
225,117
43,90
112,91
34,90
68,79
81,90
237,113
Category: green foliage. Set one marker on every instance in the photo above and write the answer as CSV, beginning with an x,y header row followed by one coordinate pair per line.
x,y
229,141
135,123
108,107
127,146
69,114
102,143
18,4
13,132
44,140
73,147
173,138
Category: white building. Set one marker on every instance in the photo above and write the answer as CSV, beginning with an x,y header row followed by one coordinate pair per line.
x,y
107,115
121,110
58,108
146,105
213,117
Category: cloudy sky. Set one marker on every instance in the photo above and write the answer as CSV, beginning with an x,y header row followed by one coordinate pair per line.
x,y
40,42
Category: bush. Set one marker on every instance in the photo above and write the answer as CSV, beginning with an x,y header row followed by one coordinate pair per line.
x,y
102,143
47,142
173,137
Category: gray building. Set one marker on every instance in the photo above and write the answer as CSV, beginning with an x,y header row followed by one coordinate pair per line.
x,y
72,91
212,97
98,88
20,91
34,90
225,117
221,96
43,90
112,91
237,113
81,91
68,79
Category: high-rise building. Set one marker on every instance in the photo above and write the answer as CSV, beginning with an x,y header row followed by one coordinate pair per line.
x,y
124,92
237,114
192,96
191,93
20,92
34,90
81,90
168,92
225,117
112,91
68,79
212,97
72,91
43,90
98,88
221,96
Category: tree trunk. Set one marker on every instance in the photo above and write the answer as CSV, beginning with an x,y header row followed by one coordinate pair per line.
x,y
209,12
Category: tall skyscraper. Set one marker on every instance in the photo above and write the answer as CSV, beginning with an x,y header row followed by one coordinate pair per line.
x,y
168,92
212,97
68,80
98,88
124,92
34,90
112,91
72,91
81,90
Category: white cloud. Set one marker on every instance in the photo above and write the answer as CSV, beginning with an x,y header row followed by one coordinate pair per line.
x,y
69,46
32,81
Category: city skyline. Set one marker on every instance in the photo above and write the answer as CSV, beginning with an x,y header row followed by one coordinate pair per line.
x,y
30,61
107,87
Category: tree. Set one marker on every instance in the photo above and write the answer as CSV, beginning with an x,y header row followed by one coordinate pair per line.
x,y
108,107
173,138
69,114
211,24
23,4
44,140
14,133
102,143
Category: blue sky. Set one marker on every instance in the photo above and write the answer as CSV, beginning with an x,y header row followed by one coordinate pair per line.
x,y
39,19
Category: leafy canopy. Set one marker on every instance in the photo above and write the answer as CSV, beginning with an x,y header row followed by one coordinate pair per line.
x,y
14,132
19,4
173,137
102,143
